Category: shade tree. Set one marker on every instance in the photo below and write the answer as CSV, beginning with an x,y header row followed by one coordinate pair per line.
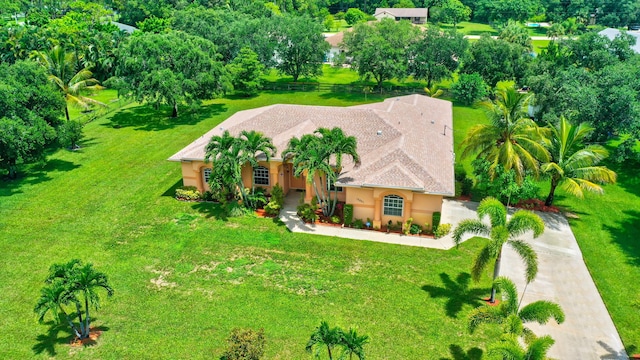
x,y
172,68
436,55
496,60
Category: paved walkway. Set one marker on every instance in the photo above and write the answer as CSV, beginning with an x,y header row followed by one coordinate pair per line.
x,y
588,331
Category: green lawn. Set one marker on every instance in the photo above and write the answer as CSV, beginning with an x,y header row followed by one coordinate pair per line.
x,y
107,97
184,277
471,28
539,45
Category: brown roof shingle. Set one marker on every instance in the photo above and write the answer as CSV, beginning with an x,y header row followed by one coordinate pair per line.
x,y
402,141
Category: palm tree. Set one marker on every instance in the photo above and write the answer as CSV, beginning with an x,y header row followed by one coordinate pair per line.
x,y
224,152
86,281
572,164
509,314
52,299
62,67
353,344
511,139
324,336
255,143
510,348
501,232
338,145
69,283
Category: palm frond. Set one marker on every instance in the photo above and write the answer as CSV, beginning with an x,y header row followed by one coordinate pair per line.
x,y
541,311
483,315
469,226
509,293
538,348
493,208
480,263
523,221
528,255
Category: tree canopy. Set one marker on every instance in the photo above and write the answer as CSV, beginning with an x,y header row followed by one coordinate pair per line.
x,y
436,54
172,68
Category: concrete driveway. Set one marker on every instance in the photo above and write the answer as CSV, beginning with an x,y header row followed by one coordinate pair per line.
x,y
588,331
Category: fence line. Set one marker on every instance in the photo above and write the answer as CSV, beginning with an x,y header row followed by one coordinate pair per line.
x,y
90,116
344,88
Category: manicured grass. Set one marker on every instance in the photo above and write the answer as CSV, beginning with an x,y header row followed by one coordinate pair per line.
x,y
184,276
108,97
471,28
539,45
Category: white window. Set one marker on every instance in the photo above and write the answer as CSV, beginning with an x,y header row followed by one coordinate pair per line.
x,y
206,175
261,175
393,205
331,187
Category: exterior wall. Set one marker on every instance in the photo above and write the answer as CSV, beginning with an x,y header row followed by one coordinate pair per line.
x,y
192,174
384,15
369,203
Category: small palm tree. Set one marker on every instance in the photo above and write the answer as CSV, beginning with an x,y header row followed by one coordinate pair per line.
x,y
52,299
510,348
509,314
499,233
86,281
224,152
353,344
434,91
324,336
511,139
256,143
62,69
572,164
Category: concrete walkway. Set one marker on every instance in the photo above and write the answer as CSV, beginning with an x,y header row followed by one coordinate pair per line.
x,y
588,331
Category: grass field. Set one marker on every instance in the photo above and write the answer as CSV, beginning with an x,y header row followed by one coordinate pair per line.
x,y
184,277
471,28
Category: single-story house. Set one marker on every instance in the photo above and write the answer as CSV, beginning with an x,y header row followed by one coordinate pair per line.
x,y
611,34
335,41
414,15
405,146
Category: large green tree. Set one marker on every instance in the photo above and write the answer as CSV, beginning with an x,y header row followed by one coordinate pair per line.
x,y
246,72
379,50
573,164
73,83
172,68
76,284
501,232
511,139
300,46
496,60
436,54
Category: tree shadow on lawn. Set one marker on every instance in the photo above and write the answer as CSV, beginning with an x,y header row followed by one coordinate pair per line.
x,y
145,117
628,178
458,293
211,210
458,353
34,174
356,97
625,233
59,334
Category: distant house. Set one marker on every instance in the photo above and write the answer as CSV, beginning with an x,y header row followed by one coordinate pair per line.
x,y
613,33
414,15
335,41
405,146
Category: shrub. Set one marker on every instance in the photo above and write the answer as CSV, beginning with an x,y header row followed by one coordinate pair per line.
x,y
272,208
245,345
406,228
208,196
459,172
307,213
626,151
442,230
256,199
435,221
503,185
335,219
70,133
458,189
415,229
277,195
348,214
467,185
189,193
358,224
469,88
234,209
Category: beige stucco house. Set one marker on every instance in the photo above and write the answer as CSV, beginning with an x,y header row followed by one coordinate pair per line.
x,y
405,145
414,15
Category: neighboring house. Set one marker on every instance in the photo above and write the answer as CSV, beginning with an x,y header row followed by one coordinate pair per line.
x,y
613,33
405,146
414,15
335,41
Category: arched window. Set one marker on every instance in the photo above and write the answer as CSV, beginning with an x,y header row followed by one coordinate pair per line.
x,y
393,205
261,175
206,175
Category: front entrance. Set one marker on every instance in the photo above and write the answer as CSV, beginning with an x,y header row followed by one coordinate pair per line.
x,y
298,183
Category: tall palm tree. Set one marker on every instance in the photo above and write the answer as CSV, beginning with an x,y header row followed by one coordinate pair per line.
x,y
337,146
353,344
224,152
511,139
324,336
501,232
255,143
510,348
509,314
573,164
63,72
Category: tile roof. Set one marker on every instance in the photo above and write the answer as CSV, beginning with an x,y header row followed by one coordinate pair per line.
x,y
404,142
404,12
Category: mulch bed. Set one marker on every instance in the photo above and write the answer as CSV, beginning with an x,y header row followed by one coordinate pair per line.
x,y
537,205
94,334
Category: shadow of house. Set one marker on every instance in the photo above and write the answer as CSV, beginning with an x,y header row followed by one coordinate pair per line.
x,y
457,292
